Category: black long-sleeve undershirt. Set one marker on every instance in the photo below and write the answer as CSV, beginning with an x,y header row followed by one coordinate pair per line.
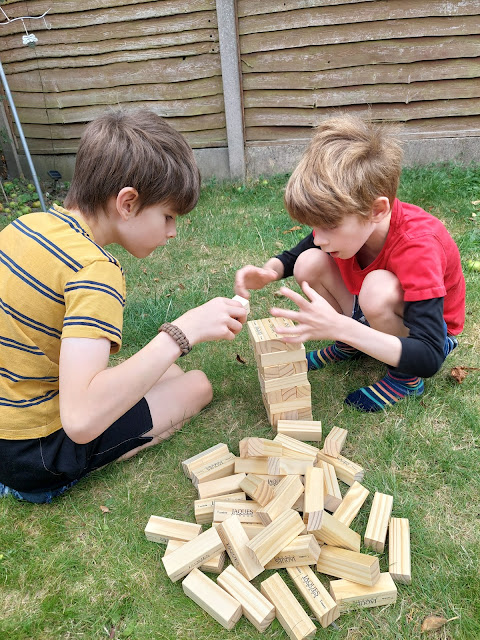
x,y
422,352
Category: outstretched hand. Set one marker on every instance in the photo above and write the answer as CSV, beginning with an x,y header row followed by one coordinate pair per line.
x,y
217,319
251,277
315,319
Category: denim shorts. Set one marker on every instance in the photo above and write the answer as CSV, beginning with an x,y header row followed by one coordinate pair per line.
x,y
41,468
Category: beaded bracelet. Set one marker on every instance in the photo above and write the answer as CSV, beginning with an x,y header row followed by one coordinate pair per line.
x,y
178,335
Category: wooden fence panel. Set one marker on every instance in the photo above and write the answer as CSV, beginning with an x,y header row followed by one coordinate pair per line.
x,y
93,56
410,61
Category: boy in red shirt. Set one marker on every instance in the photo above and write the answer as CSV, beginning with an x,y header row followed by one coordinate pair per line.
x,y
381,276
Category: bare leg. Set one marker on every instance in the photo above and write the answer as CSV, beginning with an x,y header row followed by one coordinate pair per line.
x,y
175,398
322,274
381,300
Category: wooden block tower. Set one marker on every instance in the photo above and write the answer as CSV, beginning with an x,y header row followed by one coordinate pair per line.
x,y
282,371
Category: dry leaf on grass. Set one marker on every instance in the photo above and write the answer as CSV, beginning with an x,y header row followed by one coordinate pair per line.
x,y
460,373
240,359
431,623
104,509
295,228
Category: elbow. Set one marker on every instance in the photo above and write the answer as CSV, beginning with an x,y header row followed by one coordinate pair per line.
x,y
76,428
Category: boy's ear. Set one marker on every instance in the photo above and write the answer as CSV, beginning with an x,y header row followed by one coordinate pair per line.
x,y
127,202
380,209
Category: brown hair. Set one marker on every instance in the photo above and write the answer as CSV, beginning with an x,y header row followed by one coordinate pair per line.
x,y
133,149
349,163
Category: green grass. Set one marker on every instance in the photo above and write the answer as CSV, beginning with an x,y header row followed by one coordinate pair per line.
x,y
68,571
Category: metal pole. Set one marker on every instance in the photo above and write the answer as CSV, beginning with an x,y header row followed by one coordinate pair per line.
x,y
22,137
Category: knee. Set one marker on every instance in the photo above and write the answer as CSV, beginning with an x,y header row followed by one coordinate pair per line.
x,y
309,265
200,385
381,294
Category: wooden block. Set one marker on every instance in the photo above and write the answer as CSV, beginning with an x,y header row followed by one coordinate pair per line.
x,y
351,503
212,599
255,607
350,565
321,603
250,528
333,443
313,504
257,489
221,486
332,493
302,413
235,541
219,468
303,550
272,481
214,565
246,511
204,508
399,563
259,448
265,360
162,530
193,554
204,457
288,466
286,395
377,525
294,448
276,384
337,534
289,612
266,340
286,494
309,430
269,542
346,470
244,302
271,324
282,370
350,596
251,465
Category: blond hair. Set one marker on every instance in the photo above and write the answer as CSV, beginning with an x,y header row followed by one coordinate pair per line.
x,y
349,163
133,149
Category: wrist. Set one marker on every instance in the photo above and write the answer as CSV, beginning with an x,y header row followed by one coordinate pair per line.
x,y
177,334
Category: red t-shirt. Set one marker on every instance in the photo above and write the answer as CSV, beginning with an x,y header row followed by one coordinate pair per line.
x,y
424,257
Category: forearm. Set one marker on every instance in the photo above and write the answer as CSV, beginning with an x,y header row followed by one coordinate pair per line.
x,y
276,265
381,346
111,392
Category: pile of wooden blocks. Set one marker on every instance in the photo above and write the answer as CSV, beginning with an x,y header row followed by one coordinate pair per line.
x,y
278,505
282,371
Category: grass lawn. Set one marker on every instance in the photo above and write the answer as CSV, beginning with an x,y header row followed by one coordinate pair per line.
x,y
71,570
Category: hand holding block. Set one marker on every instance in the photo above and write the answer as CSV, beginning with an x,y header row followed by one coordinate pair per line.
x,y
399,564
302,551
193,554
351,503
350,596
333,443
244,302
162,530
212,599
321,603
289,612
309,430
256,608
342,563
377,525
235,541
266,544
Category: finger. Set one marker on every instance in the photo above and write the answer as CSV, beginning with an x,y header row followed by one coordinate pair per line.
x,y
285,313
309,291
294,297
239,286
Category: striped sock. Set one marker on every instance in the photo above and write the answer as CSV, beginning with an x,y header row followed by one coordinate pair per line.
x,y
450,343
336,352
386,392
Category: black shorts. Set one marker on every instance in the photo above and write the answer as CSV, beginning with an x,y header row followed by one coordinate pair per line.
x,y
52,462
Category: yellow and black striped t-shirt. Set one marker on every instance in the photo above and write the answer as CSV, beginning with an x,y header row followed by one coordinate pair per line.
x,y
55,283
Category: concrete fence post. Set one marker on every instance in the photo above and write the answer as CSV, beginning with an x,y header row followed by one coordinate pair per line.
x,y
232,86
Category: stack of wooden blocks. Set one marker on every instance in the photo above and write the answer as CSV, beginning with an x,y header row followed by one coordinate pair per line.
x,y
282,371
278,505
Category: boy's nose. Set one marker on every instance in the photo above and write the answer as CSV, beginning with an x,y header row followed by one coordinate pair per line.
x,y
172,230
